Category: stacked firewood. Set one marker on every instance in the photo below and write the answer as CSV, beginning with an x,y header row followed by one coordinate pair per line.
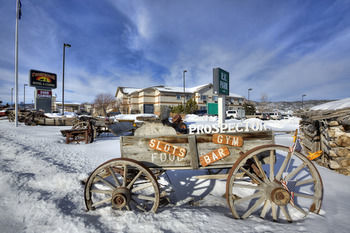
x,y
328,131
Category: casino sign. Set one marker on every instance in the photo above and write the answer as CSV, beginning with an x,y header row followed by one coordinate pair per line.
x,y
42,79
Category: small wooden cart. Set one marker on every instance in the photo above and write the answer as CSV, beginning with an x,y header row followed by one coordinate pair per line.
x,y
272,181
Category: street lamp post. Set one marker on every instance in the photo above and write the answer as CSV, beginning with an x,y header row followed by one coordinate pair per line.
x,y
302,101
11,96
249,89
64,56
24,95
183,77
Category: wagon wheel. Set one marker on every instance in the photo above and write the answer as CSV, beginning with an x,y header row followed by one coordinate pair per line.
x,y
123,184
288,186
80,125
91,132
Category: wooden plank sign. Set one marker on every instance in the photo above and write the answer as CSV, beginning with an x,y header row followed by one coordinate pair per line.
x,y
230,140
214,156
167,148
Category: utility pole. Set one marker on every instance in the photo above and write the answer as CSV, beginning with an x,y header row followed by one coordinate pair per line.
x,y
183,77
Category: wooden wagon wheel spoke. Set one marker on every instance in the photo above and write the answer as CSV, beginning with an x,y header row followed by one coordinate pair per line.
x,y
272,165
138,206
99,178
125,175
251,175
284,165
147,198
274,211
253,208
246,186
141,187
135,178
262,172
298,208
301,188
130,191
102,202
265,209
101,191
295,171
285,213
114,177
305,195
250,197
303,182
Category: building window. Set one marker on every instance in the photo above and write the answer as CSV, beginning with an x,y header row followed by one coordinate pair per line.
x,y
178,96
188,97
215,98
203,97
202,108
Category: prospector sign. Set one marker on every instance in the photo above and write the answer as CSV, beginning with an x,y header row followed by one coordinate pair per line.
x,y
42,79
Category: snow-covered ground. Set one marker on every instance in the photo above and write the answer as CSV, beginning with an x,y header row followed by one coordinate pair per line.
x,y
41,191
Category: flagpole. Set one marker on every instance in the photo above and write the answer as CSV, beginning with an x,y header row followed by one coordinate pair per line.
x,y
16,65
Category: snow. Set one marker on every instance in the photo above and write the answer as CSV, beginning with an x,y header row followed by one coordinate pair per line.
x,y
59,115
333,105
40,190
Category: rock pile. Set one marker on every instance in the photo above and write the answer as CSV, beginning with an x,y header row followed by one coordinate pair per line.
x,y
329,131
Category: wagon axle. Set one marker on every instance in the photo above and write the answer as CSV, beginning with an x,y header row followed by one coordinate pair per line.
x,y
121,197
280,196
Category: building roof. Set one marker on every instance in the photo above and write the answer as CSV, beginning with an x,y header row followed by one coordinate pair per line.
x,y
130,90
235,95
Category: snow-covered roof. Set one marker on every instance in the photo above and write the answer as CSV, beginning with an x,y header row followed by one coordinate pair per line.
x,y
235,95
67,103
128,90
333,105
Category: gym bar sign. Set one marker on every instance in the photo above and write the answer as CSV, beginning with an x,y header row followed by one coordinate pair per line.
x,y
214,156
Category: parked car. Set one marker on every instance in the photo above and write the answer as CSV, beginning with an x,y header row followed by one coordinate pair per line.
x,y
201,112
275,116
3,113
265,116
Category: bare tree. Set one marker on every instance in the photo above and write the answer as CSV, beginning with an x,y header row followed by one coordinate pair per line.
x,y
263,103
103,102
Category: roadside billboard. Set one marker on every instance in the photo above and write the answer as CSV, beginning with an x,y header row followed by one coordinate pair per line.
x,y
42,79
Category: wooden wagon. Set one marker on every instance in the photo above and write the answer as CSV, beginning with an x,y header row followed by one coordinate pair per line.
x,y
272,181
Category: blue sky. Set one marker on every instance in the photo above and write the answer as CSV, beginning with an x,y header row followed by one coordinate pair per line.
x,y
280,49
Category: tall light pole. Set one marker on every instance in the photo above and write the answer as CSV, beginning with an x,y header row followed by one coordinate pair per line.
x,y
302,101
18,17
64,56
24,95
11,96
249,90
183,77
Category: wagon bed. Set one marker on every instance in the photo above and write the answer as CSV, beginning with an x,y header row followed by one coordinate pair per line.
x,y
138,148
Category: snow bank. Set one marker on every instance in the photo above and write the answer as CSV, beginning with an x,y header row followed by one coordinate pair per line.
x,y
41,192
132,116
59,115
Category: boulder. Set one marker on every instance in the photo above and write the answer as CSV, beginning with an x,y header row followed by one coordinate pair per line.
x,y
334,164
343,140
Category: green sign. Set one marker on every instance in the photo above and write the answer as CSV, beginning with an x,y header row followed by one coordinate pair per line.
x,y
221,81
